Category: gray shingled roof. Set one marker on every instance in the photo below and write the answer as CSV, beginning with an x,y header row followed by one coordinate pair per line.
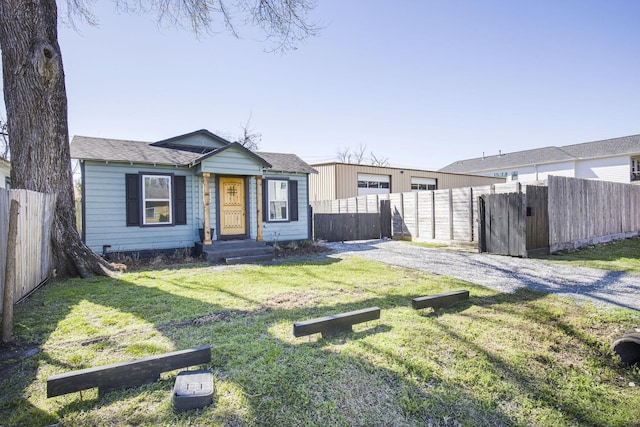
x,y
115,150
286,162
627,145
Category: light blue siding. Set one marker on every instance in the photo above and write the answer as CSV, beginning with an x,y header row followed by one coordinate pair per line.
x,y
291,230
198,140
105,205
233,161
105,211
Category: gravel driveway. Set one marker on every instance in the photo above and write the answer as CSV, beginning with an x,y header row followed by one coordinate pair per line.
x,y
502,273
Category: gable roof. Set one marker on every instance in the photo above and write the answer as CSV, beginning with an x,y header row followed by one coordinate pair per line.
x,y
239,147
626,145
167,153
204,132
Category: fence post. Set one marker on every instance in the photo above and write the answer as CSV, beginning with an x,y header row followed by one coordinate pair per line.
x,y
471,214
10,274
402,223
416,217
433,214
450,214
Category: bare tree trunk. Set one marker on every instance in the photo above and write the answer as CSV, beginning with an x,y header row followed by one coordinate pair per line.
x,y
36,101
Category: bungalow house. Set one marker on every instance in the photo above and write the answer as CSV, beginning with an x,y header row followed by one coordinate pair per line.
x,y
193,190
5,173
616,159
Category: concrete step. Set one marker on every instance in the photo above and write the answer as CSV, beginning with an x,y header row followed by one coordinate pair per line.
x,y
236,251
248,259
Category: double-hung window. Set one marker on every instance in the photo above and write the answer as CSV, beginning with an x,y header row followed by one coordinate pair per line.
x,y
278,196
156,196
155,199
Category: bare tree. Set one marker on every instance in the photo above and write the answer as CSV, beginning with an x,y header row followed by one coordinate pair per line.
x,y
379,161
36,100
249,138
346,155
358,156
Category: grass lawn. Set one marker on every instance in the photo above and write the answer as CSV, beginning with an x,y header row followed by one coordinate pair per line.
x,y
622,255
496,359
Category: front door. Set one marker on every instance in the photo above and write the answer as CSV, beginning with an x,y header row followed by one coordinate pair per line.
x,y
233,220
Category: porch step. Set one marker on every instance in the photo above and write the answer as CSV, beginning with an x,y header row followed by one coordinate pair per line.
x,y
248,259
236,251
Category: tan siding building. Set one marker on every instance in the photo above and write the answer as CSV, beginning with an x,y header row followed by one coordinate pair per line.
x,y
342,180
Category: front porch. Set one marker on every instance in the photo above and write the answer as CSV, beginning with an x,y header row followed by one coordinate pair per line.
x,y
235,251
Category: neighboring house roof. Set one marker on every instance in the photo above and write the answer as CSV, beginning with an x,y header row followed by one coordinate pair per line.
x,y
165,153
626,145
287,163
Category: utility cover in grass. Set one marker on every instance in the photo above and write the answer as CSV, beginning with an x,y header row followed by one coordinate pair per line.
x,y
193,389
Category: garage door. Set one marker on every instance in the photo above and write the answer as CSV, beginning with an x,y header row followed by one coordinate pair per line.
x,y
373,184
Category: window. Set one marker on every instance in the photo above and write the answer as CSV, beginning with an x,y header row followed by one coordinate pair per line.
x,y
514,176
278,196
156,196
422,187
7,183
635,169
155,199
423,184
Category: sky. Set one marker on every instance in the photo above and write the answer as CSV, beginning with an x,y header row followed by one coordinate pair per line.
x,y
419,83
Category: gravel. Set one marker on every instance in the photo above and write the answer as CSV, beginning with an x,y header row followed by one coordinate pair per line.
x,y
503,273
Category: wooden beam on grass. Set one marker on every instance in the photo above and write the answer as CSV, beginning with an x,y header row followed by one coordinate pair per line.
x,y
337,323
440,300
126,374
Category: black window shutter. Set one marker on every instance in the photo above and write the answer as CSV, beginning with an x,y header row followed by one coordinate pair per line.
x,y
293,200
265,200
180,203
132,189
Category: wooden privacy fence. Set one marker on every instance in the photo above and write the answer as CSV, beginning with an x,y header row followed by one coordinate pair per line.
x,y
568,213
336,227
439,215
584,212
33,247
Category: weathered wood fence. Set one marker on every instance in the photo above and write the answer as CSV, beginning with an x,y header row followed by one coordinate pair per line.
x,y
569,213
33,247
439,215
584,212
515,224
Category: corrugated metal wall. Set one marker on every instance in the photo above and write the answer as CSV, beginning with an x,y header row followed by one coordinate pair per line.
x,y
340,180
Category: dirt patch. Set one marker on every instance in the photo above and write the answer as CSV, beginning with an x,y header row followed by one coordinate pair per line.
x,y
12,354
294,250
291,300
